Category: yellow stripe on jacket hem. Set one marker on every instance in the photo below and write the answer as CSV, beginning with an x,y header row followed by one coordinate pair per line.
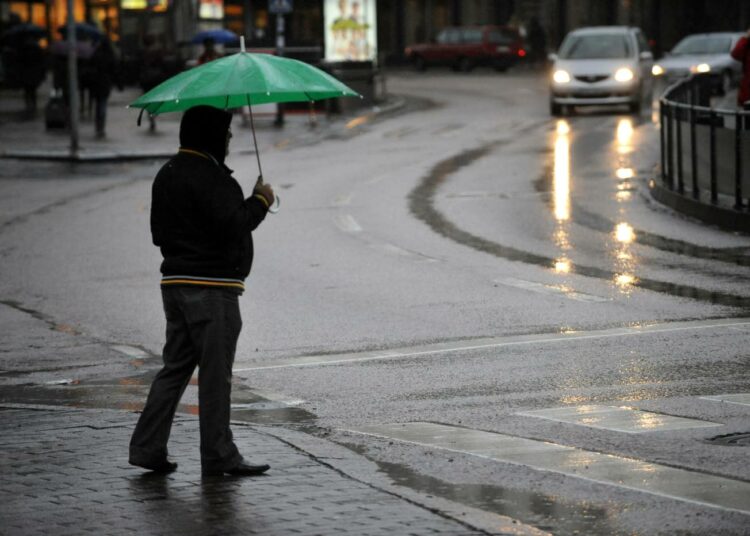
x,y
201,283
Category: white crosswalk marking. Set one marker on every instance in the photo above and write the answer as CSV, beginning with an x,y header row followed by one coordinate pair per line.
x,y
679,484
618,419
738,398
541,288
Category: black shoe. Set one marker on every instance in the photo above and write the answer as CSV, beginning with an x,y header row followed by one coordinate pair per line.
x,y
162,466
241,469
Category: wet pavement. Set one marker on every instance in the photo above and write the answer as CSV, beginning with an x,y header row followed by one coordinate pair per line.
x,y
473,264
65,471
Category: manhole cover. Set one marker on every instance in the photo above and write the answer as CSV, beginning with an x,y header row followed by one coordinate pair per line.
x,y
738,439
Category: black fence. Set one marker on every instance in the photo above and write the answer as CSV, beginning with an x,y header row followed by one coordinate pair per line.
x,y
705,151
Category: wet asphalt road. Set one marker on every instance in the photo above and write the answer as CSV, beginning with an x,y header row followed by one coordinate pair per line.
x,y
468,222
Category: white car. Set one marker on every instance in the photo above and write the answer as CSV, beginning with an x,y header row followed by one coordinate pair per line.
x,y
601,65
706,54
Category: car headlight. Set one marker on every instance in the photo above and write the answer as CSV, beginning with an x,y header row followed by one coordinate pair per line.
x,y
657,70
623,74
701,68
561,77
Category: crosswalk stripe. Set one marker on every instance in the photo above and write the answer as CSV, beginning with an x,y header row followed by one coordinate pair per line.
x,y
629,473
541,288
742,399
618,419
493,343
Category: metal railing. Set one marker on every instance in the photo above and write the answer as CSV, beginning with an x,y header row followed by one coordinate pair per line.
x,y
703,148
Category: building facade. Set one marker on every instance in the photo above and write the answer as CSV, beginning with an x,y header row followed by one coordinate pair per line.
x,y
399,22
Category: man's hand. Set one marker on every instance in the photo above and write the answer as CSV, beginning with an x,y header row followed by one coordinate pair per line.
x,y
264,190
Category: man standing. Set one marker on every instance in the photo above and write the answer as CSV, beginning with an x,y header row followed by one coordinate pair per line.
x,y
202,223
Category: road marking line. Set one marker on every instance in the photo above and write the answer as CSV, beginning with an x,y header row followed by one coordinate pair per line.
x,y
401,252
742,399
541,288
618,419
347,223
680,484
342,200
130,351
490,343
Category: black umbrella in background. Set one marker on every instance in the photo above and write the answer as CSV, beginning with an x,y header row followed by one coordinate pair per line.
x,y
83,31
19,32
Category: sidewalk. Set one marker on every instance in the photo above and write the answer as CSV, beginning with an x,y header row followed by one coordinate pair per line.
x,y
25,138
63,457
65,471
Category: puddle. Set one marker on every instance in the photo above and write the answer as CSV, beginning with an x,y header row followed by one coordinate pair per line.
x,y
422,207
129,393
607,469
545,512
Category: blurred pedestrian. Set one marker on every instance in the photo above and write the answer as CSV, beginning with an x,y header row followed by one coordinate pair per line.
x,y
104,63
209,51
32,63
741,52
537,41
203,225
153,70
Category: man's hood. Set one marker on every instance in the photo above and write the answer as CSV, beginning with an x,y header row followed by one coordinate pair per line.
x,y
204,128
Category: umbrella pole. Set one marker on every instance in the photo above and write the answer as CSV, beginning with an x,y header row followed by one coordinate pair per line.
x,y
255,141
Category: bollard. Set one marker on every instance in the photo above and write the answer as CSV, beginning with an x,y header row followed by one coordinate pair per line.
x,y
738,160
680,178
714,185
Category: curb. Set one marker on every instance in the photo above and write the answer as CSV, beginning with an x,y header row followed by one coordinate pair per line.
x,y
361,469
391,106
725,218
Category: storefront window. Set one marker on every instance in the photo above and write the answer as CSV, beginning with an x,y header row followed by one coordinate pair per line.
x,y
154,5
211,9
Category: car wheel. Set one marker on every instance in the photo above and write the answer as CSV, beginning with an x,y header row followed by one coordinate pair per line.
x,y
555,110
419,63
464,65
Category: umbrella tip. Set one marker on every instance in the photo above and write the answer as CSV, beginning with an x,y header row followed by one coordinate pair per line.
x,y
242,43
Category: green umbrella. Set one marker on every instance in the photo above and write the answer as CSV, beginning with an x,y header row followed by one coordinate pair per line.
x,y
242,79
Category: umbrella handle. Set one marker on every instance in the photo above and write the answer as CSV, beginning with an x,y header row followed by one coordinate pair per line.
x,y
274,208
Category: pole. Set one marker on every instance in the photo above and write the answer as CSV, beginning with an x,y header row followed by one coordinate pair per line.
x,y
72,81
280,45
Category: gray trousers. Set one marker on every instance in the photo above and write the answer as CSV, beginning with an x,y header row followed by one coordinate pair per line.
x,y
203,325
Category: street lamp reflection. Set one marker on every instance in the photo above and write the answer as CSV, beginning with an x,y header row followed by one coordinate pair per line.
x,y
624,134
625,173
561,183
624,233
625,281
562,266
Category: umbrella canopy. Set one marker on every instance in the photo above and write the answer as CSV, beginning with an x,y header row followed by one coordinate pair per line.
x,y
242,79
84,50
21,31
239,80
83,31
222,36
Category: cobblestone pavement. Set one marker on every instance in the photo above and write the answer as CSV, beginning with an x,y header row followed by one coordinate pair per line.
x,y
65,471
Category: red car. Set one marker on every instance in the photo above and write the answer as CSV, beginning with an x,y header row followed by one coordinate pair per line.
x,y
463,48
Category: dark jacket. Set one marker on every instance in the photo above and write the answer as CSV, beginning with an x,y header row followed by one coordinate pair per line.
x,y
199,216
741,53
102,70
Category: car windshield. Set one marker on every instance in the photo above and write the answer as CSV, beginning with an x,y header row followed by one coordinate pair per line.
x,y
703,44
595,46
502,37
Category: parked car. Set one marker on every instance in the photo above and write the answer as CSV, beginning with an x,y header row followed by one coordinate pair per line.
x,y
706,53
601,65
463,48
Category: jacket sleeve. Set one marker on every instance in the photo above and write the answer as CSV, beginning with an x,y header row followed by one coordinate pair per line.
x,y
228,213
740,49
